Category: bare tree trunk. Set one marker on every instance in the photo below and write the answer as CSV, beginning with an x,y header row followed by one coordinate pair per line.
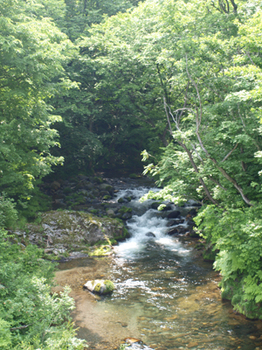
x,y
200,178
198,115
191,160
234,6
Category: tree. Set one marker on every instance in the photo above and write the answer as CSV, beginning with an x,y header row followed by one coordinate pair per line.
x,y
31,55
210,64
80,15
109,112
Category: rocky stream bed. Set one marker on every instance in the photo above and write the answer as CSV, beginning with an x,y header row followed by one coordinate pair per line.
x,y
88,217
166,296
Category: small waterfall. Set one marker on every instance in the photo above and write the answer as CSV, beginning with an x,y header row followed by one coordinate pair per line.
x,y
166,295
147,227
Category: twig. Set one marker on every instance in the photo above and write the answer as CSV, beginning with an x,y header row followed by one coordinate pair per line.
x,y
230,153
20,327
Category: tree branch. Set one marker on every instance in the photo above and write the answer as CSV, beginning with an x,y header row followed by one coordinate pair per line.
x,y
229,153
188,153
198,123
20,327
248,55
167,115
197,171
216,182
234,6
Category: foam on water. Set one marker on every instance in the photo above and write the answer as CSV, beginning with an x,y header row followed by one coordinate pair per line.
x,y
145,227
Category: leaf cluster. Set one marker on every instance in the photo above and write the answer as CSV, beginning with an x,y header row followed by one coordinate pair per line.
x,y
31,316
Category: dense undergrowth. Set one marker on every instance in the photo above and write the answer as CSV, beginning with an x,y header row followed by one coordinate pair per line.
x,y
236,233
31,316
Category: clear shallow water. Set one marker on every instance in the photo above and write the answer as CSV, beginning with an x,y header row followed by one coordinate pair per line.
x,y
165,294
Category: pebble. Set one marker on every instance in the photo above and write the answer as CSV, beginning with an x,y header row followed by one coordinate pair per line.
x,y
132,340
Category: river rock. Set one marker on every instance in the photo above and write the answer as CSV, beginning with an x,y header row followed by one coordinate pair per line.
x,y
110,212
125,216
135,344
132,340
192,212
100,286
107,187
124,200
150,234
167,206
174,214
124,213
69,231
177,230
155,205
175,222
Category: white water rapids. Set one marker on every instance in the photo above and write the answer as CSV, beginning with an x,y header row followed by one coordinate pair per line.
x,y
165,295
145,226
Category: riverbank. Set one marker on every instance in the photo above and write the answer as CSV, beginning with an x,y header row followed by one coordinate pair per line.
x,y
166,295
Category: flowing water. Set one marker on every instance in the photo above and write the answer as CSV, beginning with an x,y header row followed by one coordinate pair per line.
x,y
165,294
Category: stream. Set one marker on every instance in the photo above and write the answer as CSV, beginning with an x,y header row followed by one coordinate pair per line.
x,y
166,295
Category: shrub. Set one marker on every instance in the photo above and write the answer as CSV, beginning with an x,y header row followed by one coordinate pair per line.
x,y
237,235
31,317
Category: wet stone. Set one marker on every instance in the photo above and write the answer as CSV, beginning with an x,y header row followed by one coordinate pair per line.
x,y
159,287
100,286
175,222
136,344
150,234
174,214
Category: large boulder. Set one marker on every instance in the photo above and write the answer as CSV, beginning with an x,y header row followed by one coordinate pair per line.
x,y
100,286
74,231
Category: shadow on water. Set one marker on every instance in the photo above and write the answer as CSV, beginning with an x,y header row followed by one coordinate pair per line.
x,y
165,295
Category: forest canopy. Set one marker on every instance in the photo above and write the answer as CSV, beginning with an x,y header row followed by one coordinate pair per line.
x,y
92,86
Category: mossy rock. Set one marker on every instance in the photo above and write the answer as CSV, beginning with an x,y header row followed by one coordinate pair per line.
x,y
98,180
74,230
107,197
100,250
101,287
124,210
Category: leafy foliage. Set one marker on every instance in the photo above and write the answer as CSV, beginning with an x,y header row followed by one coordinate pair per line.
x,y
31,57
210,74
181,79
236,233
30,316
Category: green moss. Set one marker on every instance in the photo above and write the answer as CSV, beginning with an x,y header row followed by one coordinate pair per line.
x,y
109,286
98,180
124,210
97,288
125,234
102,250
106,197
93,211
